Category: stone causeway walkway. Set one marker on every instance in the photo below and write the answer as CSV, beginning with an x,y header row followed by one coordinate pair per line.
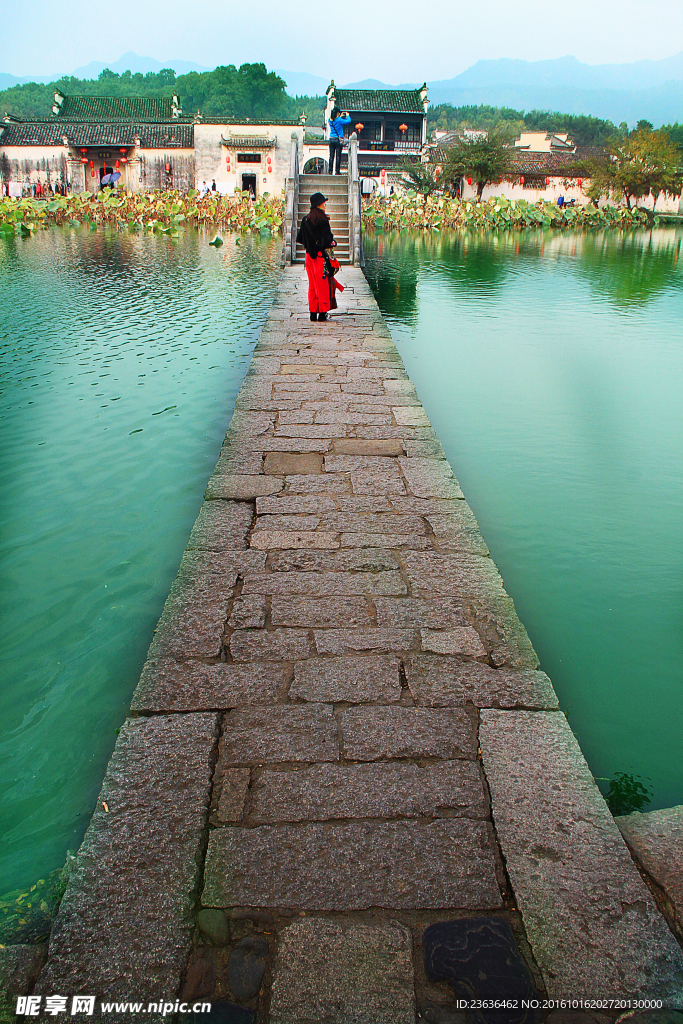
x,y
344,775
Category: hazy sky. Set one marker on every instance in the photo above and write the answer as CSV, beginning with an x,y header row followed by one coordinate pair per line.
x,y
397,42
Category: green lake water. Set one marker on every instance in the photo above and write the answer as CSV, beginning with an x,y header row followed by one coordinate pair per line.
x,y
120,360
551,367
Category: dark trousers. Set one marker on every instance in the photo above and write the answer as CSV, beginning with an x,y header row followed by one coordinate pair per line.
x,y
335,153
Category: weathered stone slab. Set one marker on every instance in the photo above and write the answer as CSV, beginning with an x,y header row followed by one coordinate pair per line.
x,y
381,790
193,618
242,488
248,612
168,685
386,540
476,580
269,644
449,682
591,921
317,584
351,522
358,446
219,568
221,525
126,920
286,463
415,611
322,611
656,841
19,968
288,523
457,530
370,733
371,560
459,640
283,539
327,971
356,680
299,732
378,638
430,478
415,417
234,787
327,483
295,504
398,865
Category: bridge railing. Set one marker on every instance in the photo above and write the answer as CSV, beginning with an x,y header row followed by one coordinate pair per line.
x,y
289,227
355,222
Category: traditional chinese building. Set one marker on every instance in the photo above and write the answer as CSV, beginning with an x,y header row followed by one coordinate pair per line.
x,y
390,124
145,140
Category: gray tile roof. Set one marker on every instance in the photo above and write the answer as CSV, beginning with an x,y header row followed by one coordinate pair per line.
x,y
389,101
173,135
116,108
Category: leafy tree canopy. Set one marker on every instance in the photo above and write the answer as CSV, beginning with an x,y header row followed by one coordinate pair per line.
x,y
248,91
646,162
583,129
484,158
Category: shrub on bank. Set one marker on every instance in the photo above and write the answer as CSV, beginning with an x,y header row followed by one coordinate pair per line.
x,y
498,214
166,211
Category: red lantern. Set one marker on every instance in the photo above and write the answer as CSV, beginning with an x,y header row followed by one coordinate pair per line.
x,y
500,178
547,181
227,162
580,182
117,165
522,180
469,180
84,159
92,172
403,127
84,150
123,150
382,175
168,168
124,160
359,126
91,164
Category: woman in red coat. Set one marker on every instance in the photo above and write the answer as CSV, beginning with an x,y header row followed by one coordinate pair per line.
x,y
315,235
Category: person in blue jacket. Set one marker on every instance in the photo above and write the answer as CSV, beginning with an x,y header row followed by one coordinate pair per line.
x,y
336,122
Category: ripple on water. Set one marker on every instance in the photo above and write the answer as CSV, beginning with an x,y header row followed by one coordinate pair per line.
x,y
120,360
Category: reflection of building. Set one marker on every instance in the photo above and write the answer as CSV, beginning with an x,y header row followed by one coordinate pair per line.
x,y
145,140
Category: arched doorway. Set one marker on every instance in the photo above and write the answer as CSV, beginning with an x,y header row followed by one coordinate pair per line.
x,y
316,165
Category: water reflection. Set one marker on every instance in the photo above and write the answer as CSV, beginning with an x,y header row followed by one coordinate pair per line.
x,y
120,359
551,366
629,268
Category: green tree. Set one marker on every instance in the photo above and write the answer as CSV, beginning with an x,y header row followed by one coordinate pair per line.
x,y
421,177
484,158
645,163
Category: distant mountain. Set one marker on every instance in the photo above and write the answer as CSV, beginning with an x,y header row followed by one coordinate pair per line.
x,y
651,89
137,65
568,72
129,62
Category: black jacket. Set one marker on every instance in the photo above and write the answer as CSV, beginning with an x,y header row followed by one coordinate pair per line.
x,y
315,237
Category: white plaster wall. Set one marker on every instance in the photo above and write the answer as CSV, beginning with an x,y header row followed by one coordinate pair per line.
x,y
557,188
32,163
210,154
